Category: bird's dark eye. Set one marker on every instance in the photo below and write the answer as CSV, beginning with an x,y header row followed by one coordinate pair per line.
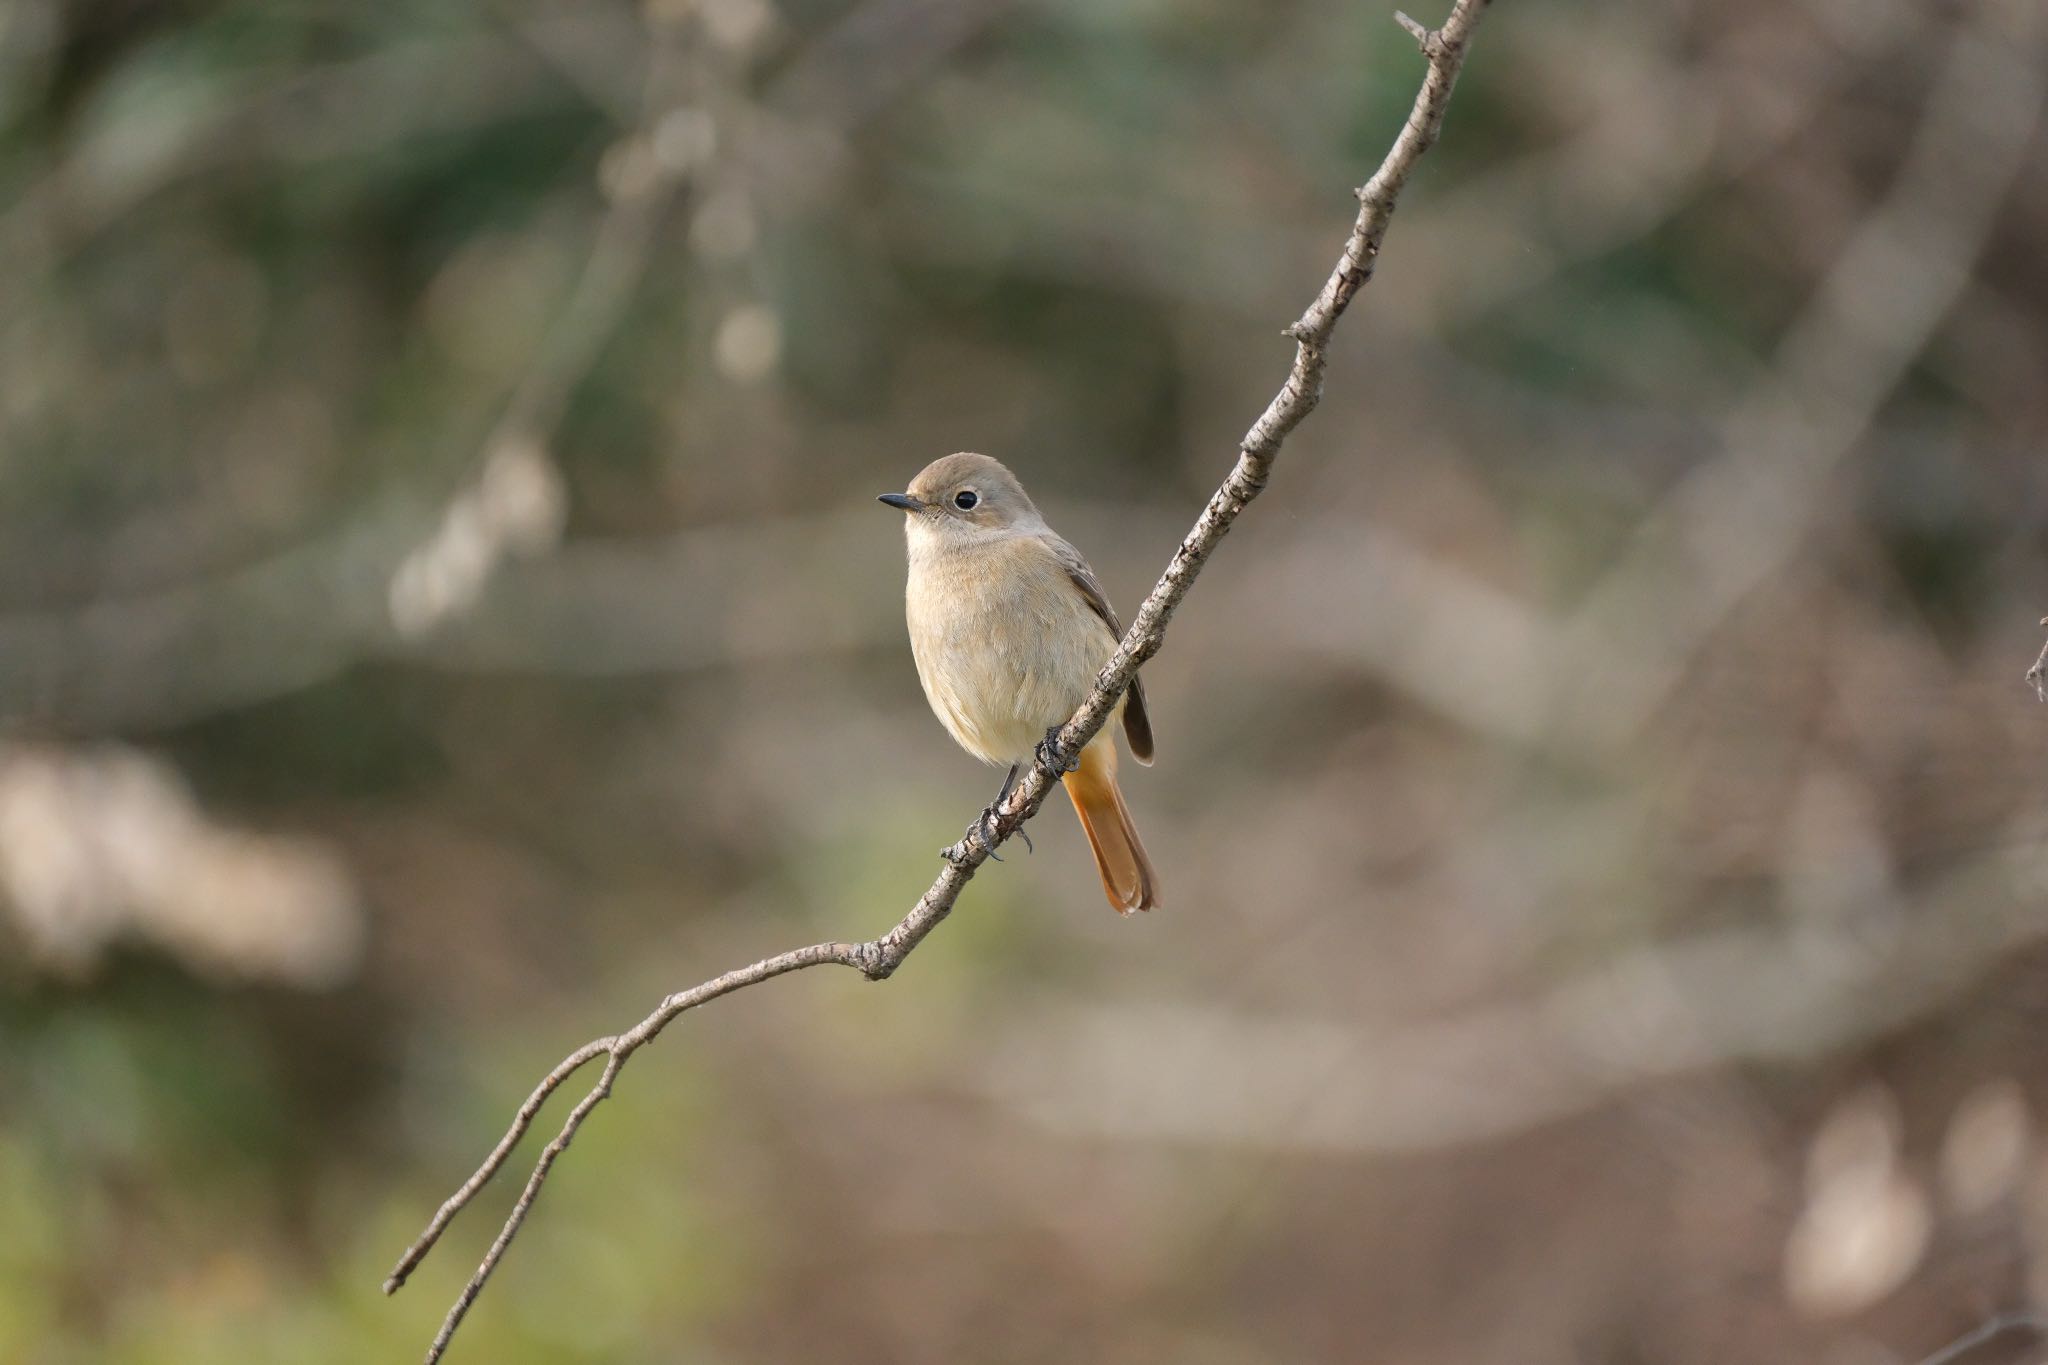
x,y
965,499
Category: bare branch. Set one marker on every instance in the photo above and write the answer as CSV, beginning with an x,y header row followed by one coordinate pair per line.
x,y
879,958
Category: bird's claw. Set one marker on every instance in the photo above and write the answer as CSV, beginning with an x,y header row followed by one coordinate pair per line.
x,y
984,829
1047,757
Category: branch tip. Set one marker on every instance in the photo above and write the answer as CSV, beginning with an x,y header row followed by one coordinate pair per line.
x,y
1429,40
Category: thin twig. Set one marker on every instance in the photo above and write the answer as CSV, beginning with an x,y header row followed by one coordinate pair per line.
x,y
2038,674
1424,39
1988,1330
880,957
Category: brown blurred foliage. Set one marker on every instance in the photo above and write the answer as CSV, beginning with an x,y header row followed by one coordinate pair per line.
x,y
442,608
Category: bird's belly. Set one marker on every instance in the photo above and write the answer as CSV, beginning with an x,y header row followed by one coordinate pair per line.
x,y
1001,671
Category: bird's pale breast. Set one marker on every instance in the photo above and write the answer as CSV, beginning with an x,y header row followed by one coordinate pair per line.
x,y
1006,645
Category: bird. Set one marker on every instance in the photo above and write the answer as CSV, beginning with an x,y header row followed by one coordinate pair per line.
x,y
1009,627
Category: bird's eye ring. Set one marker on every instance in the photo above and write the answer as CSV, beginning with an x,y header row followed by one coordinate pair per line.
x,y
965,499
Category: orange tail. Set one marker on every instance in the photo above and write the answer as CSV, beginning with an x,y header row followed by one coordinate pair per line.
x,y
1127,873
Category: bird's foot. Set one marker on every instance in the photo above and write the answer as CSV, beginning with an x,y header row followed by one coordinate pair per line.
x,y
987,827
984,829
1048,756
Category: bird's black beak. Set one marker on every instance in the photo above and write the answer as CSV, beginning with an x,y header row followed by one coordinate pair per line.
x,y
902,500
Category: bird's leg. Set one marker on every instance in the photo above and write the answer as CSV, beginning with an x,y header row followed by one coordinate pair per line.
x,y
987,823
984,826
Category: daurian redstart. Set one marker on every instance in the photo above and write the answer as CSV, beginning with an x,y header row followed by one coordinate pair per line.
x,y
1009,627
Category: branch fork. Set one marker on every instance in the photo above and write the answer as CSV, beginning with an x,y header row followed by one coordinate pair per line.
x,y
1430,40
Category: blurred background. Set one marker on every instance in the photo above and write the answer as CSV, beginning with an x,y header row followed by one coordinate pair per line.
x,y
443,608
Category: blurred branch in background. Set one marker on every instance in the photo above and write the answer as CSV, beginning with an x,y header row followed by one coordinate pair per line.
x,y
105,844
1729,524
516,502
2003,1324
1444,51
193,648
1682,1005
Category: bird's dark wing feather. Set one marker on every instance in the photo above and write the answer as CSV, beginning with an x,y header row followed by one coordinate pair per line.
x,y
1137,724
